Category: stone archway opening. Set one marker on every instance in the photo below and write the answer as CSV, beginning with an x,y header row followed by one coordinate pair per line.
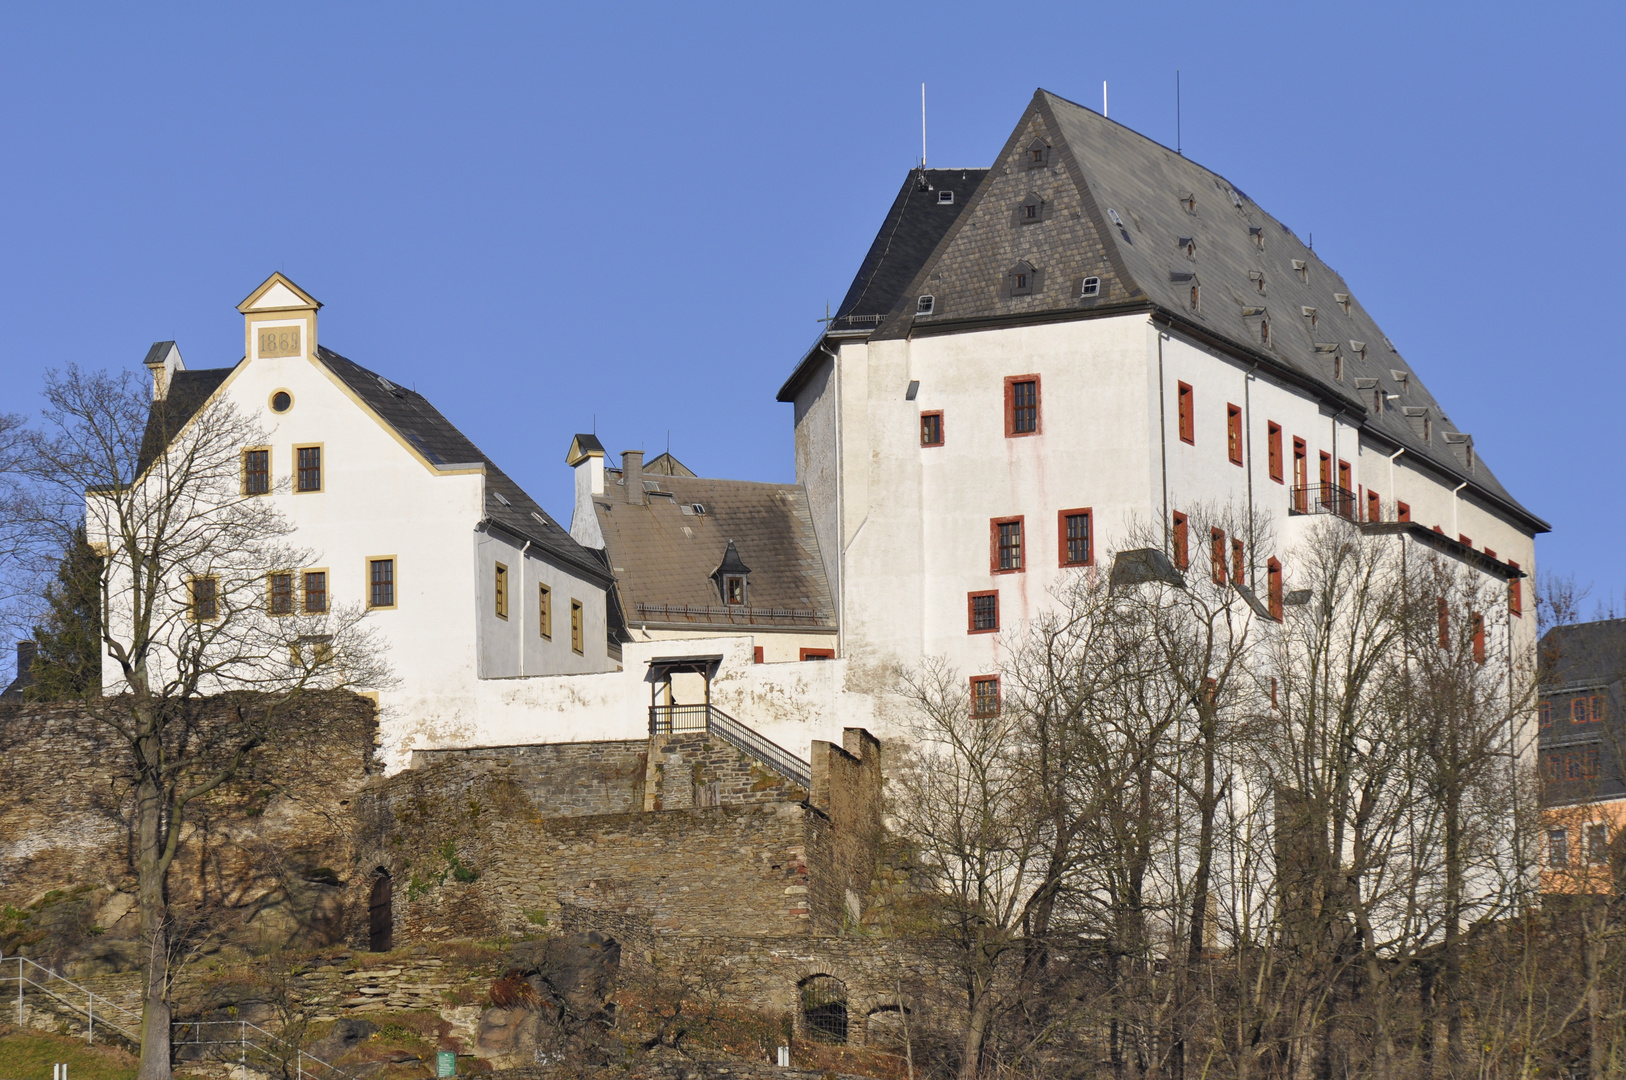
x,y
824,1009
381,913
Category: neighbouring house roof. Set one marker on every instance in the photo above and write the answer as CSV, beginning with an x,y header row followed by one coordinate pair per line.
x,y
1150,224
1582,655
418,422
665,553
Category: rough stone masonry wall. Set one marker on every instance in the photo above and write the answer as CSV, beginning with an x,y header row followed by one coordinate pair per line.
x,y
847,788
560,779
691,768
268,856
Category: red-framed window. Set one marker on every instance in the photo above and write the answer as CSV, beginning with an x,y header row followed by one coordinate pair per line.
x,y
1182,541
1274,441
931,428
1402,511
1233,433
817,654
1216,555
1239,562
1075,538
1478,629
982,612
1326,476
1005,546
1301,474
756,655
1188,421
1544,715
1374,506
1273,571
1587,709
1515,593
985,695
1021,406
1445,623
1344,475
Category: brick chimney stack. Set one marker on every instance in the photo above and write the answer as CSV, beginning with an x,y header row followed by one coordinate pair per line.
x,y
632,475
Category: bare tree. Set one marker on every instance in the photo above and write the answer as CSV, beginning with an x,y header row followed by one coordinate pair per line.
x,y
204,663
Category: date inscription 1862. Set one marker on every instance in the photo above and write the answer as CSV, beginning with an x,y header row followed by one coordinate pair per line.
x,y
279,341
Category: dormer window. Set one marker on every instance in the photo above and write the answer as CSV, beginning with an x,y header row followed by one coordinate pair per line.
x,y
1258,280
1031,210
923,306
1309,313
1188,202
1038,155
1188,245
1342,300
1196,297
945,197
1302,268
1258,236
1091,287
731,575
1020,279
1264,331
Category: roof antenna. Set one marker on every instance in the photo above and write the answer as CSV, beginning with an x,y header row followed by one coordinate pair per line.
x,y
923,126
1177,149
1103,97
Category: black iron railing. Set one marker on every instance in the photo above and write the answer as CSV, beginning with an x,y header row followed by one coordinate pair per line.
x,y
1325,499
668,719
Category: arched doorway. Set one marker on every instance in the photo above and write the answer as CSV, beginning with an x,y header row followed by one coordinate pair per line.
x,y
824,1009
381,914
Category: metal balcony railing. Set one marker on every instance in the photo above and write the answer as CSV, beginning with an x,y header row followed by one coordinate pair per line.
x,y
1325,499
668,719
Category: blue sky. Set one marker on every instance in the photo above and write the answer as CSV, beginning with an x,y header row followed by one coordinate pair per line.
x,y
547,217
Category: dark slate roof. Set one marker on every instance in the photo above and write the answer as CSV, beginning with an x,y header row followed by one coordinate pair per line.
x,y
188,390
909,233
438,440
666,465
1588,661
159,350
664,554
1095,169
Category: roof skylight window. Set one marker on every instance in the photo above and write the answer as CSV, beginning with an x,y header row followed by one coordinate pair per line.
x,y
945,197
1091,287
923,306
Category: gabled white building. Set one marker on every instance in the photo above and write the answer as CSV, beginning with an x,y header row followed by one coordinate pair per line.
x,y
464,577
1094,332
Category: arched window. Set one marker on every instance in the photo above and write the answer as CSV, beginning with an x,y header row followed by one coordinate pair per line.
x,y
824,1008
381,914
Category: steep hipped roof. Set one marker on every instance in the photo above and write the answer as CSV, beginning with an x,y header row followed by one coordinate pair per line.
x,y
1583,655
438,440
1150,225
910,232
665,552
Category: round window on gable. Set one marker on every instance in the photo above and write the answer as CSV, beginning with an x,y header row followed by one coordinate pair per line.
x,y
281,401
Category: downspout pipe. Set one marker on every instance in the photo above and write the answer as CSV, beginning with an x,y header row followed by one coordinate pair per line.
x,y
1456,501
841,514
1162,432
1394,492
1247,436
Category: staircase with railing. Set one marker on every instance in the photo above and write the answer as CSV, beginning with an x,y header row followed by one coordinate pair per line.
x,y
39,990
673,719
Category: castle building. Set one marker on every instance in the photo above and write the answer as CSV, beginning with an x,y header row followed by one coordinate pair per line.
x,y
464,576
1096,335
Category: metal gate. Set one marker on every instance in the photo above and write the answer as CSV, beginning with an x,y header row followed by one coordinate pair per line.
x,y
824,1008
381,915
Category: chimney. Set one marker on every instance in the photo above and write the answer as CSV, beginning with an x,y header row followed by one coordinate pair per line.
x,y
632,475
163,360
26,651
586,456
